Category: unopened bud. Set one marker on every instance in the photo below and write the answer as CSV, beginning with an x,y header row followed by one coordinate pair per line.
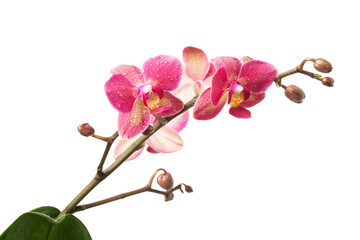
x,y
188,189
294,93
245,59
165,180
328,81
322,65
169,197
86,130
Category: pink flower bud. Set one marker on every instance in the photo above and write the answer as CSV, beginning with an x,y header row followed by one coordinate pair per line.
x,y
294,93
165,181
328,81
169,197
322,65
86,130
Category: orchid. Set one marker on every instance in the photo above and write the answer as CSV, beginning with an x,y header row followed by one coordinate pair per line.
x,y
137,93
197,73
155,101
166,140
242,84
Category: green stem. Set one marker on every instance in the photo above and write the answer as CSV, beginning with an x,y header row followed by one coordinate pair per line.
x,y
120,160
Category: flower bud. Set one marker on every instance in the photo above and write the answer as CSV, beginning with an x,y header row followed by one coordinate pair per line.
x,y
245,59
165,181
328,81
294,93
86,130
322,65
188,189
169,197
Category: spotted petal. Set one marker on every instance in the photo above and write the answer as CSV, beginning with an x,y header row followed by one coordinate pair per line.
x,y
257,76
231,64
253,99
204,109
240,112
196,63
123,144
170,100
219,85
163,72
121,93
135,122
165,140
132,73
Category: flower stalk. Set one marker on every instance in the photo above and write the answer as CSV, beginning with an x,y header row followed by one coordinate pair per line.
x,y
101,174
120,160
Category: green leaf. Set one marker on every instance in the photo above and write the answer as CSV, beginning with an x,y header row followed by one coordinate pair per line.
x,y
40,224
47,210
68,228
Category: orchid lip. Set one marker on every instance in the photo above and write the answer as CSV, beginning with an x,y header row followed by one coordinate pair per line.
x,y
237,95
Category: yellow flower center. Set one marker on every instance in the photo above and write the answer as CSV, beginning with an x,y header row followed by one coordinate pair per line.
x,y
237,98
153,101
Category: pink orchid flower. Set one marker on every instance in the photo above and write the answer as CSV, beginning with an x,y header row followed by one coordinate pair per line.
x,y
165,140
196,75
137,93
243,85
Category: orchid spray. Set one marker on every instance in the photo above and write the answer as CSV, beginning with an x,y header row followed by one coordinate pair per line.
x,y
153,104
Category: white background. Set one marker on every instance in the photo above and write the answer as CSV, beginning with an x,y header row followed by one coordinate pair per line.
x,y
289,172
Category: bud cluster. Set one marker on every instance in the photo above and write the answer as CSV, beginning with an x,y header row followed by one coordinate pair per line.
x,y
296,94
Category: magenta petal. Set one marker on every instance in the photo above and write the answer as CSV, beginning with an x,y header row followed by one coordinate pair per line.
x,y
257,76
196,63
123,145
165,140
121,93
163,72
131,73
160,109
240,112
219,85
135,122
253,99
231,64
204,109
211,72
180,122
175,103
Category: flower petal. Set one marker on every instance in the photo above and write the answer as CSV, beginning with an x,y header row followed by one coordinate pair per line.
x,y
131,73
240,112
123,145
219,85
257,76
163,72
211,72
253,99
180,122
204,109
150,150
169,99
185,92
121,93
165,140
135,122
231,64
196,63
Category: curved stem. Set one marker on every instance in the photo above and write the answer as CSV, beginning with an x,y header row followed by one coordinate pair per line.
x,y
121,159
